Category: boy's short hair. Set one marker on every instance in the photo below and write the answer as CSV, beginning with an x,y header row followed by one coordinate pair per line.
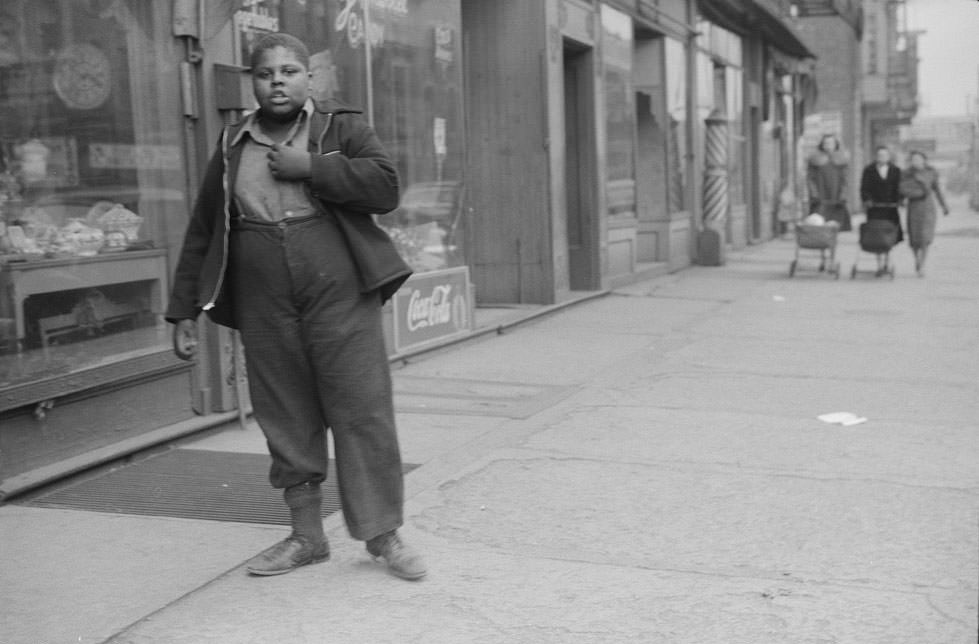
x,y
280,39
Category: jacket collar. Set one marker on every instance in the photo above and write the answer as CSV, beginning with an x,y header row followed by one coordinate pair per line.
x,y
335,106
249,125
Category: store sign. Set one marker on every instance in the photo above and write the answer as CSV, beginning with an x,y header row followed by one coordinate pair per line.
x,y
253,17
432,306
438,136
139,157
251,21
354,19
444,38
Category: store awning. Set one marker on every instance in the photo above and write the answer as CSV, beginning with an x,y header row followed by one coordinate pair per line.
x,y
755,17
847,10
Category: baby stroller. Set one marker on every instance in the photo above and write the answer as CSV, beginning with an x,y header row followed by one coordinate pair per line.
x,y
877,236
821,237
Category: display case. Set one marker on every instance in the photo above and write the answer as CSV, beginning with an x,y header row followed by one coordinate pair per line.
x,y
92,190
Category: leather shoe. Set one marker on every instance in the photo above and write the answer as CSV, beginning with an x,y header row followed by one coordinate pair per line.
x,y
402,560
287,555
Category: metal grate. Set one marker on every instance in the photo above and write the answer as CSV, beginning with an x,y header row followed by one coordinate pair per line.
x,y
464,397
188,484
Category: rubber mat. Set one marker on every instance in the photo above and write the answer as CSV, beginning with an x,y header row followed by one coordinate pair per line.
x,y
188,484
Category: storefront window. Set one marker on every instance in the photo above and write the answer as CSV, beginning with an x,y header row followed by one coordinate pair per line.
x,y
417,107
617,49
720,90
92,176
401,62
707,98
735,116
676,105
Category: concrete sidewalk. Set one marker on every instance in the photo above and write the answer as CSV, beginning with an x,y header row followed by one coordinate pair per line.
x,y
644,467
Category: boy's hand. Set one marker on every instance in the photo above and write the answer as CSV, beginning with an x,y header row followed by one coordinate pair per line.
x,y
185,339
289,164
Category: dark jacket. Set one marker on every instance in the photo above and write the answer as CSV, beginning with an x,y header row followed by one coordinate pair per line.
x,y
358,182
877,190
826,175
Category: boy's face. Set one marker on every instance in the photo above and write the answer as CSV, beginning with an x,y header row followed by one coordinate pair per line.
x,y
280,83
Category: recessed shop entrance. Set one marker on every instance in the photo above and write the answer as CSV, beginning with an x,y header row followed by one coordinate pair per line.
x,y
580,168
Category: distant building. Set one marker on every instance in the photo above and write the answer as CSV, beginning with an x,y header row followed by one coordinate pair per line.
x,y
866,74
832,30
947,140
952,146
890,72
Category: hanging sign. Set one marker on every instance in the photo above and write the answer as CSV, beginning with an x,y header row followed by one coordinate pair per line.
x,y
444,41
253,19
438,136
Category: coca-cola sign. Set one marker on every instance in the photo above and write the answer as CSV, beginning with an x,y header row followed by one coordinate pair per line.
x,y
432,306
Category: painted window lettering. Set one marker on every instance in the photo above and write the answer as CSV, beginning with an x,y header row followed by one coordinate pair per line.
x,y
351,20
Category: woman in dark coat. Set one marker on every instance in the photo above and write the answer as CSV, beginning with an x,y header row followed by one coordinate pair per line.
x,y
282,246
826,176
880,193
921,195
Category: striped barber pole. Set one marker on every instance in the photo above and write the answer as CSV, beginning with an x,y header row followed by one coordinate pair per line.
x,y
715,175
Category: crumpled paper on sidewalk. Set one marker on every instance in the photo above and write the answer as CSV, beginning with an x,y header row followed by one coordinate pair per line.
x,y
844,418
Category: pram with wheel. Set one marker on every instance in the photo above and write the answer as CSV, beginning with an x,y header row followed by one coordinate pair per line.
x,y
821,237
878,237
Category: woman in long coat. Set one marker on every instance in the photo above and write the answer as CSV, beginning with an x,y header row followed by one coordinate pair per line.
x,y
826,176
921,207
880,192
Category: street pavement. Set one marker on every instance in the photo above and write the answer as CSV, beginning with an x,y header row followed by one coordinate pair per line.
x,y
646,466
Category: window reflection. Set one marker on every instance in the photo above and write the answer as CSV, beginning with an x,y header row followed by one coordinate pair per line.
x,y
91,183
676,105
617,48
412,93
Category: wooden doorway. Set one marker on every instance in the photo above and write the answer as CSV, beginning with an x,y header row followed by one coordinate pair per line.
x,y
580,168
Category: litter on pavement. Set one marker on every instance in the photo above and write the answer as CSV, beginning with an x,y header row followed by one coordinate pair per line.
x,y
844,418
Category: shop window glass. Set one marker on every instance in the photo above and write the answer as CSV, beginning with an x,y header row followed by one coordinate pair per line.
x,y
416,76
706,97
736,125
705,102
400,61
676,105
617,50
92,177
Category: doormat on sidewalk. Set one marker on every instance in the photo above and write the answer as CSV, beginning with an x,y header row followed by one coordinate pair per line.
x,y
188,484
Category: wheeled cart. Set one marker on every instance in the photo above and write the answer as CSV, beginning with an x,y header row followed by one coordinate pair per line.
x,y
877,237
822,238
